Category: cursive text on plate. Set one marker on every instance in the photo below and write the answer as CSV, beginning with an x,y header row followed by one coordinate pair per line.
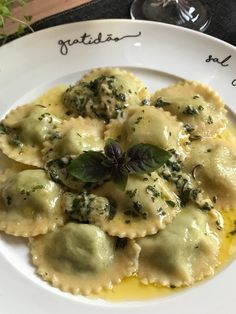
x,y
88,39
224,63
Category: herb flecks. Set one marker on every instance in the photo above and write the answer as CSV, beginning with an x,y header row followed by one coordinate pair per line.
x,y
188,127
4,129
131,193
152,191
136,211
190,110
171,203
159,103
15,141
210,120
138,120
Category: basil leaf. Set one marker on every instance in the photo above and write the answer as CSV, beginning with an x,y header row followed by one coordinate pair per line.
x,y
112,149
143,158
120,177
89,167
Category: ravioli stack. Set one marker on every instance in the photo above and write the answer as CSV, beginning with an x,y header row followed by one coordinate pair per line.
x,y
164,227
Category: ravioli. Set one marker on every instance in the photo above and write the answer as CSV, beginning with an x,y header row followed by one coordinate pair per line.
x,y
213,162
200,108
23,131
149,125
82,259
57,170
88,234
30,203
184,252
146,206
73,137
104,94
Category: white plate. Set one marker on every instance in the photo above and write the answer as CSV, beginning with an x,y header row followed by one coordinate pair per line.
x,y
160,54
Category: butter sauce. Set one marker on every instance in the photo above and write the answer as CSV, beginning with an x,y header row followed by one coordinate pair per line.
x,y
131,289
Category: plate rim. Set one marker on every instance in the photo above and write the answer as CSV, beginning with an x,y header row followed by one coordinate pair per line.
x,y
171,26
125,305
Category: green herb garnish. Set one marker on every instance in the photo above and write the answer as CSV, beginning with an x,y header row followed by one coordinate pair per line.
x,y
190,110
152,192
161,103
116,165
171,203
210,120
4,129
233,232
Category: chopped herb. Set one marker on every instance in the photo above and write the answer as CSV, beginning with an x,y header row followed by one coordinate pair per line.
x,y
210,120
138,120
54,136
218,225
194,193
4,129
200,107
166,175
206,206
171,203
9,200
121,97
161,211
195,137
15,141
145,102
137,206
173,165
188,127
152,192
173,151
196,97
37,187
214,199
131,193
233,232
161,103
136,211
44,115
190,110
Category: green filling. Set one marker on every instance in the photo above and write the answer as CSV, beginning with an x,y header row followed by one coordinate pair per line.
x,y
80,248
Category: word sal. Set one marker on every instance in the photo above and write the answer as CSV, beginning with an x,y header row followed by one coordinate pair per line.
x,y
223,63
88,39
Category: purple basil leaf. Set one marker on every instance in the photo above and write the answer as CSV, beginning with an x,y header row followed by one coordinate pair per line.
x,y
112,149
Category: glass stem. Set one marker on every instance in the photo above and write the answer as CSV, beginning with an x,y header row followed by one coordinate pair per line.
x,y
186,10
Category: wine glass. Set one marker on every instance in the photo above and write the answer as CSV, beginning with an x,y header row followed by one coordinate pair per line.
x,y
192,14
